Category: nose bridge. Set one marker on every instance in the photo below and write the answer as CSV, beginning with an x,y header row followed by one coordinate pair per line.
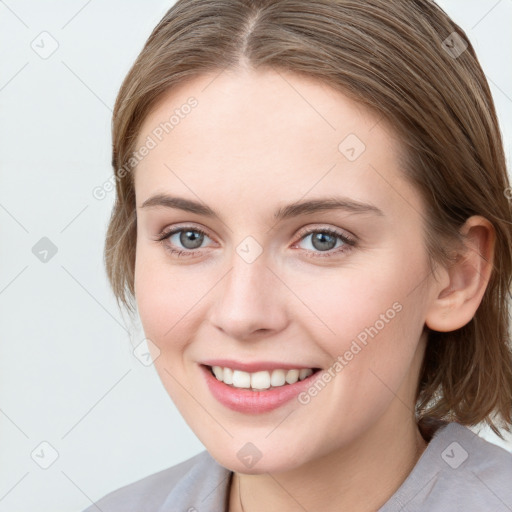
x,y
248,298
245,279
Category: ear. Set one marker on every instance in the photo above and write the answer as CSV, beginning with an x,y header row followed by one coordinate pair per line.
x,y
462,285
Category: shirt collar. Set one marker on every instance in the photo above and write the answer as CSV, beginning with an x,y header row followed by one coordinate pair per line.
x,y
203,488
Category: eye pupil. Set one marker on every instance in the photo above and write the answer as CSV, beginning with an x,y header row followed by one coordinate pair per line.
x,y
191,236
325,241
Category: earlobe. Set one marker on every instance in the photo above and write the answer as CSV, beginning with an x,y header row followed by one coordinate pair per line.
x,y
463,284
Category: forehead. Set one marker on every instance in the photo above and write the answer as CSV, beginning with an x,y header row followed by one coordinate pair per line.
x,y
262,135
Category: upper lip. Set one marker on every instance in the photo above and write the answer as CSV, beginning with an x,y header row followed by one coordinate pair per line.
x,y
255,365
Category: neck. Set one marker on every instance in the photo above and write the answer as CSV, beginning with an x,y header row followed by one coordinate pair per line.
x,y
359,478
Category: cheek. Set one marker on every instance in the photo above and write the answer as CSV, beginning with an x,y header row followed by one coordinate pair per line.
x,y
166,309
161,298
347,302
170,299
371,317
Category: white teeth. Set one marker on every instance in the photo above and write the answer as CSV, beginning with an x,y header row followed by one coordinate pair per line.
x,y
278,378
241,379
260,380
219,372
292,376
305,372
228,375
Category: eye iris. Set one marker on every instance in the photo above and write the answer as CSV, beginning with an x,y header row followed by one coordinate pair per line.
x,y
191,236
325,240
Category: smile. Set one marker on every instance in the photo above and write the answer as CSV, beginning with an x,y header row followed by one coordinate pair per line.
x,y
256,392
260,380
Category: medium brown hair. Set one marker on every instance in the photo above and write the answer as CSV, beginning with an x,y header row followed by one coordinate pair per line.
x,y
397,58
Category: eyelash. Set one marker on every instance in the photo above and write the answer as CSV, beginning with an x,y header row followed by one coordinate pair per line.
x,y
348,241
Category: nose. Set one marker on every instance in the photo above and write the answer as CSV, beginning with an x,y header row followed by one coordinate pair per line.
x,y
250,302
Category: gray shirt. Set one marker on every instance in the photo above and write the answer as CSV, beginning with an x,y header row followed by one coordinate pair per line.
x,y
458,471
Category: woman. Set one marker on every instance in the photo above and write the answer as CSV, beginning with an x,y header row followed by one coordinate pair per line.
x,y
312,223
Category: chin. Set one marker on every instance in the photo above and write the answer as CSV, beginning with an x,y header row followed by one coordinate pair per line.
x,y
246,458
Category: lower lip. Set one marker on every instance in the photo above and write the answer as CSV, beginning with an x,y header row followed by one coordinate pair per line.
x,y
255,402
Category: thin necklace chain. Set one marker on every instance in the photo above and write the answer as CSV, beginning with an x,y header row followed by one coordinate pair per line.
x,y
240,495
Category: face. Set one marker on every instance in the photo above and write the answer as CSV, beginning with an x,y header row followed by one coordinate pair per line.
x,y
232,272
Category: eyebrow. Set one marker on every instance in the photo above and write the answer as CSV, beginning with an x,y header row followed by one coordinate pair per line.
x,y
285,212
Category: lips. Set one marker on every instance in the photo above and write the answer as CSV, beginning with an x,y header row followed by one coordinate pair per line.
x,y
251,400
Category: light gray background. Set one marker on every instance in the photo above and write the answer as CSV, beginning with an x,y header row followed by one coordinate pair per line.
x,y
68,376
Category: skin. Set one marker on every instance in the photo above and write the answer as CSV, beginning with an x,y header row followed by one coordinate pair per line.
x,y
256,142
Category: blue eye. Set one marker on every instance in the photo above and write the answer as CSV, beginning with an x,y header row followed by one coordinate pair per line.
x,y
189,237
323,240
